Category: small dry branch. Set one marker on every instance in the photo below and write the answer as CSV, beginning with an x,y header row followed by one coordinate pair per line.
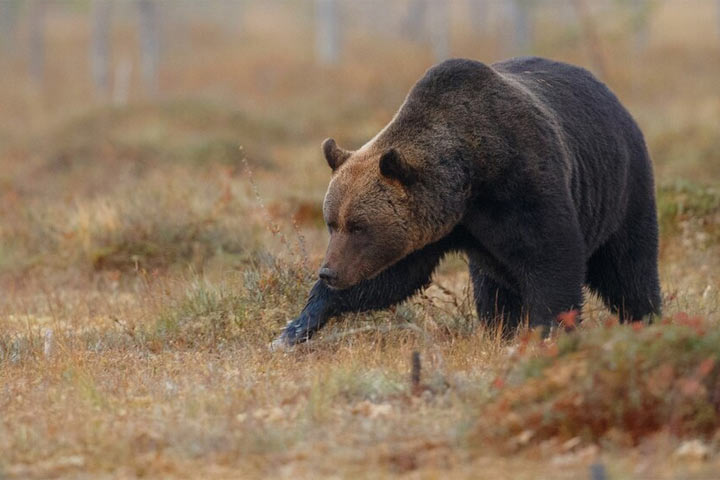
x,y
415,386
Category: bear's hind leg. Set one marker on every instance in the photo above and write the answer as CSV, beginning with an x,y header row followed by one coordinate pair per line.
x,y
495,304
624,272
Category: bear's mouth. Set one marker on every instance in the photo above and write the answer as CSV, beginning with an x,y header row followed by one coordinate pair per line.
x,y
340,282
337,284
331,284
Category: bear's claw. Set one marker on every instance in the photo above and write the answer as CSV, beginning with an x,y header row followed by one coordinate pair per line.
x,y
280,344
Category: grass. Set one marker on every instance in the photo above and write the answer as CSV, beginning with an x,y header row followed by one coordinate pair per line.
x,y
164,372
681,203
134,343
145,267
134,226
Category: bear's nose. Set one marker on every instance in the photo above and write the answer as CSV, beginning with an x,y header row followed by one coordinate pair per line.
x,y
327,275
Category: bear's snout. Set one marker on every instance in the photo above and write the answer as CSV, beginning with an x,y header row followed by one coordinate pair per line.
x,y
328,275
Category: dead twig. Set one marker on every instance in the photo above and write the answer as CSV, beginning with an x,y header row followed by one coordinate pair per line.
x,y
415,386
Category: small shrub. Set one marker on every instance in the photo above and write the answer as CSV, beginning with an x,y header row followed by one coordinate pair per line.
x,y
249,307
633,379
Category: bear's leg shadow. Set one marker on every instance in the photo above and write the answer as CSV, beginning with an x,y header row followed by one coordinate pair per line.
x,y
623,272
495,304
390,287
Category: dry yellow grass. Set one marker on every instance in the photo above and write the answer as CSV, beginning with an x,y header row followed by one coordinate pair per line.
x,y
144,270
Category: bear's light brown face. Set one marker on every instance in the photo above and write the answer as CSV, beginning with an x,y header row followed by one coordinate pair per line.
x,y
368,214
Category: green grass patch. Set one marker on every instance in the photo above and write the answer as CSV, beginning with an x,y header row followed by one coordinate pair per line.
x,y
684,201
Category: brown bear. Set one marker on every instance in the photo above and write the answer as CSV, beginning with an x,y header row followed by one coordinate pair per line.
x,y
531,167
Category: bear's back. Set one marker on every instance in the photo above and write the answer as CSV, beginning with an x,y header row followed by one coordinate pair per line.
x,y
609,159
594,122
579,100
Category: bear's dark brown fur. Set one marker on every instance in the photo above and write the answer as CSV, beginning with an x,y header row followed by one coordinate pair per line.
x,y
531,167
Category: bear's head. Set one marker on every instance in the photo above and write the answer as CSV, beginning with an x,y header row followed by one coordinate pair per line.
x,y
372,213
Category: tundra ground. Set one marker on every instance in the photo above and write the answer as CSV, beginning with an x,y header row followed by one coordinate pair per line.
x,y
146,261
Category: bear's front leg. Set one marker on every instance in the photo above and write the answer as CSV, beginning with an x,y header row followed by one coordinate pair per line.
x,y
539,247
390,287
317,311
551,277
545,301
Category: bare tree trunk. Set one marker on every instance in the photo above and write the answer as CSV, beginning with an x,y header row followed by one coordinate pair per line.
x,y
640,14
375,15
239,14
149,44
121,82
439,30
232,14
479,14
415,23
100,46
37,40
520,16
8,23
327,37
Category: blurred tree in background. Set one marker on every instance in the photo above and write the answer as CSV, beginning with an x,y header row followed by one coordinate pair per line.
x,y
68,55
328,31
510,25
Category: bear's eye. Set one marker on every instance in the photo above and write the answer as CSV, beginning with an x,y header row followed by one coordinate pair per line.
x,y
332,226
355,228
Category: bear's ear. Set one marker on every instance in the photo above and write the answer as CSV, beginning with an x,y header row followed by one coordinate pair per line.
x,y
394,167
334,155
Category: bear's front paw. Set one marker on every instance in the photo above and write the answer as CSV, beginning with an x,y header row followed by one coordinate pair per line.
x,y
281,344
293,334
299,330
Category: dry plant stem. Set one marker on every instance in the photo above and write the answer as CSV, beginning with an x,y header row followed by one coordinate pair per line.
x,y
274,228
415,372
